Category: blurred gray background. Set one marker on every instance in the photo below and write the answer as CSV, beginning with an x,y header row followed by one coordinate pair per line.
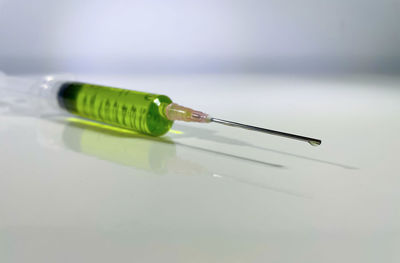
x,y
177,36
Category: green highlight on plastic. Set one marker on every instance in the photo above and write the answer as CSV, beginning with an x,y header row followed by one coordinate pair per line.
x,y
133,110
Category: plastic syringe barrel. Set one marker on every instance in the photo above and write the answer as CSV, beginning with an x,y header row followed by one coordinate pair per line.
x,y
134,110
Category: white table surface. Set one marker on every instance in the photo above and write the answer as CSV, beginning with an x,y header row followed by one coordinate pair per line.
x,y
71,192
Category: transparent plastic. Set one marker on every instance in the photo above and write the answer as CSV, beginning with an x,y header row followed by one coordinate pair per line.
x,y
180,113
31,96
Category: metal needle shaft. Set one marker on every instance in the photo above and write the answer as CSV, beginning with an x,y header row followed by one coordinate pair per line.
x,y
312,141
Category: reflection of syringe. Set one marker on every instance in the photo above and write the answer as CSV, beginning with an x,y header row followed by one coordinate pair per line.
x,y
149,154
134,149
146,113
118,145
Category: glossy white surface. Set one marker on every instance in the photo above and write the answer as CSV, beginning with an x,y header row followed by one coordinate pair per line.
x,y
209,193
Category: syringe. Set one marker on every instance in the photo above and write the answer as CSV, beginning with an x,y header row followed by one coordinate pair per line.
x,y
143,112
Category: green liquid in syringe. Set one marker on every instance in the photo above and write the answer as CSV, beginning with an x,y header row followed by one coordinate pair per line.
x,y
139,111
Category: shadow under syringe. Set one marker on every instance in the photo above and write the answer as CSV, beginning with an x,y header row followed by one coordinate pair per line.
x,y
210,135
154,154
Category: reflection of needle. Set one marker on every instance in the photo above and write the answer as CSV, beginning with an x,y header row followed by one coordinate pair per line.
x,y
210,135
231,155
275,189
188,167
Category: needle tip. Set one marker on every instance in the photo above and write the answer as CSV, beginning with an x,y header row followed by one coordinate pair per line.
x,y
315,142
